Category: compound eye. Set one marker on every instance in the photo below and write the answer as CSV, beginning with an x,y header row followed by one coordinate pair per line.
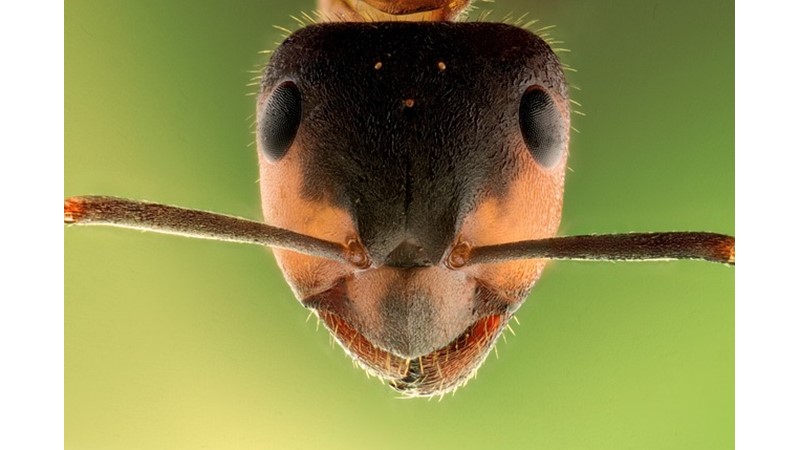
x,y
543,128
279,121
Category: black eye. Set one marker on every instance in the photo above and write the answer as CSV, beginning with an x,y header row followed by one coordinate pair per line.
x,y
279,121
543,128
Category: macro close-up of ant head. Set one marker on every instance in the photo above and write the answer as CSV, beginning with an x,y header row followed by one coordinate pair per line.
x,y
412,142
430,152
405,150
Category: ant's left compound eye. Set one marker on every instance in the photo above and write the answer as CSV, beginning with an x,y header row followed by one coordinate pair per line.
x,y
542,126
279,121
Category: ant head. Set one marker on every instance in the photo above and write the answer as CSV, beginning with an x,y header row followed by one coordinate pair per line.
x,y
409,140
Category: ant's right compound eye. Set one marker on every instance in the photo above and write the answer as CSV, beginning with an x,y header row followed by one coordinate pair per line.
x,y
543,128
279,120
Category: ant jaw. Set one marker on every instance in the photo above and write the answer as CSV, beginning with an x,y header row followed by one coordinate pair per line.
x,y
437,373
414,328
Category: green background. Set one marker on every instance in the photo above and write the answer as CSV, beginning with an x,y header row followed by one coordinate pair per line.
x,y
177,343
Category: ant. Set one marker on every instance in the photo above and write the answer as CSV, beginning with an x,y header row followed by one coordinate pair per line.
x,y
415,213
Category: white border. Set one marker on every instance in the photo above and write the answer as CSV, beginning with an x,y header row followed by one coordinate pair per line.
x,y
767,163
32,182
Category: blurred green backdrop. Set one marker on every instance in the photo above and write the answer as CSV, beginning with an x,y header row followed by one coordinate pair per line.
x,y
175,343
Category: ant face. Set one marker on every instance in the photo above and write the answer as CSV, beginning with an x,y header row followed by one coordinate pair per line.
x,y
165,335
410,139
